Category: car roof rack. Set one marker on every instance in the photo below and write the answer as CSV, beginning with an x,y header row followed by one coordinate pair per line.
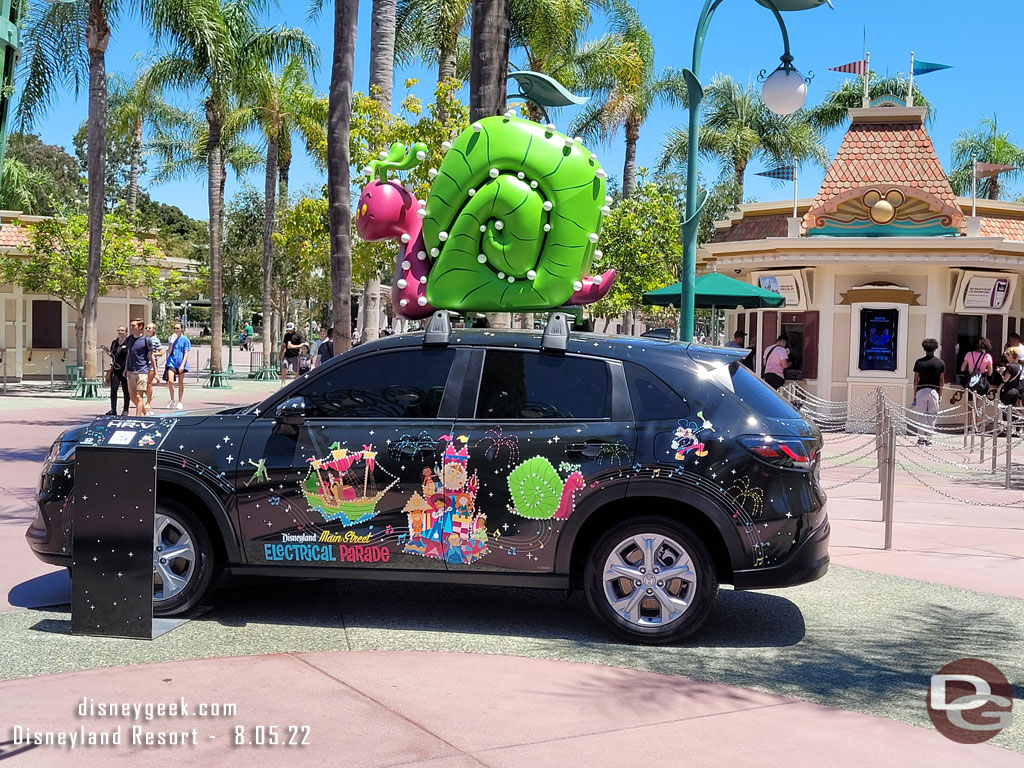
x,y
438,331
556,332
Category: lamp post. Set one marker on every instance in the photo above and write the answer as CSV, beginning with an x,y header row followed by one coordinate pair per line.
x,y
783,92
231,335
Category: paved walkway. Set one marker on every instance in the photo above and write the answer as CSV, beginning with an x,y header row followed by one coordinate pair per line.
x,y
454,710
861,640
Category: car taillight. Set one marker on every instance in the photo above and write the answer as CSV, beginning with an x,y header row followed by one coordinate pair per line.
x,y
785,452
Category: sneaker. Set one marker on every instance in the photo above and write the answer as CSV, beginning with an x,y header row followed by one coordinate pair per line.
x,y
180,406
111,412
170,406
124,412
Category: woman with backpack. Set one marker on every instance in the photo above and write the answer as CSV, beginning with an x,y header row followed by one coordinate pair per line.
x,y
775,362
976,369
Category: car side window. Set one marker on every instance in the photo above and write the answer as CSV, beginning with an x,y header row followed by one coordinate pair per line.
x,y
532,385
392,385
652,398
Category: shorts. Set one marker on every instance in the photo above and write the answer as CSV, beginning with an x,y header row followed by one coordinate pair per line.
x,y
167,372
290,364
774,380
137,381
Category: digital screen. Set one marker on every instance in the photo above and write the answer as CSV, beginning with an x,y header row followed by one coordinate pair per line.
x,y
879,332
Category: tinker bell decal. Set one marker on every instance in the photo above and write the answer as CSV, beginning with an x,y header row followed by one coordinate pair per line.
x,y
687,437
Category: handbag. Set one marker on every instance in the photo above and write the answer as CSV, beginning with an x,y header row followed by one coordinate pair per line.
x,y
977,381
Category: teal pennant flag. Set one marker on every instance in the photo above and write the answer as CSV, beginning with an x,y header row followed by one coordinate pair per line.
x,y
926,67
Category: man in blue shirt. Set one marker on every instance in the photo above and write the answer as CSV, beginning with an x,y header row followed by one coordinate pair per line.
x,y
137,365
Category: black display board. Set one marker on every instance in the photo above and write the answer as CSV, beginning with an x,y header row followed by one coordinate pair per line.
x,y
112,539
879,335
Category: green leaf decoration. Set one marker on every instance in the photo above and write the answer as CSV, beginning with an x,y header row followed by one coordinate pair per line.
x,y
535,488
513,211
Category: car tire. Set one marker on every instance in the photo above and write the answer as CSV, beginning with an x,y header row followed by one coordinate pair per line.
x,y
623,589
179,583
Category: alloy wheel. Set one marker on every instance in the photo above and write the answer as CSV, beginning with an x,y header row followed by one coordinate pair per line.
x,y
650,580
174,557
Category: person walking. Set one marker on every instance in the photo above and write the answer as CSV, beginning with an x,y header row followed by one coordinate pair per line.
x,y
176,366
155,353
775,362
136,366
248,337
929,378
326,349
118,351
291,345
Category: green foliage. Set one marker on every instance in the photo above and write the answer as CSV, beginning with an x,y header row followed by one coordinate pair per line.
x,y
990,145
59,250
64,187
243,246
179,236
833,110
21,187
119,151
641,239
303,242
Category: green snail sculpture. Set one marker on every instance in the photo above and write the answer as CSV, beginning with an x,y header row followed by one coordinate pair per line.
x,y
511,222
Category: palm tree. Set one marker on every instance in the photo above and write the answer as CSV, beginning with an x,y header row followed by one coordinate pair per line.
x,y
217,47
430,31
833,110
623,102
382,67
489,44
346,17
737,126
280,105
20,186
65,43
987,144
133,106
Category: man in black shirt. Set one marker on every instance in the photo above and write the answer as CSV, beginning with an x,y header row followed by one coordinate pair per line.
x,y
326,349
118,351
929,377
291,346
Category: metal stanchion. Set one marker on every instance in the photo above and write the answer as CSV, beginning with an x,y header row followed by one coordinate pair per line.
x,y
1009,442
890,483
997,418
3,357
51,372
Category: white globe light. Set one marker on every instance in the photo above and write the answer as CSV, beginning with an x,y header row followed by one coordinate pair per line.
x,y
785,91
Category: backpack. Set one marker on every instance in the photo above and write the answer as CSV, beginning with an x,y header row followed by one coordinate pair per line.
x,y
977,381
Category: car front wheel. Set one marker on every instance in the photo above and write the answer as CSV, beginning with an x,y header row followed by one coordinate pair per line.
x,y
650,580
183,559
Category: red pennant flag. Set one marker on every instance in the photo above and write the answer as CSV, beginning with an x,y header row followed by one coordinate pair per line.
x,y
989,170
853,68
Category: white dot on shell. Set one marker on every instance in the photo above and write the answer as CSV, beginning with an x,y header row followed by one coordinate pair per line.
x,y
598,254
520,175
472,192
477,127
596,279
423,279
368,171
382,155
422,255
403,302
548,205
446,145
432,173
406,237
600,173
568,141
531,275
608,200
550,126
533,184
483,227
442,236
499,224
421,155
422,301
406,264
577,286
422,213
501,275
605,211
511,279
593,157
482,259
401,283
547,227
435,252
493,173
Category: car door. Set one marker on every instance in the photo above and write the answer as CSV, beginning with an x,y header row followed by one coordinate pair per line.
x,y
544,432
335,481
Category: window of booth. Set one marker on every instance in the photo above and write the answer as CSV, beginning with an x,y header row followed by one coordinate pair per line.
x,y
46,324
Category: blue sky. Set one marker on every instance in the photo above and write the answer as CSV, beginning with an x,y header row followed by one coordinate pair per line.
x,y
744,39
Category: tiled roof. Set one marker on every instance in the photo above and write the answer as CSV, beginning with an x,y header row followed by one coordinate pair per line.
x,y
1005,227
752,227
13,236
880,153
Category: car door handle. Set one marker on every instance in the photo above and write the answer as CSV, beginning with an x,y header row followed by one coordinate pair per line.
x,y
591,449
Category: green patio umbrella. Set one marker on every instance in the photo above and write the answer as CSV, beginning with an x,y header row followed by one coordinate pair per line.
x,y
717,291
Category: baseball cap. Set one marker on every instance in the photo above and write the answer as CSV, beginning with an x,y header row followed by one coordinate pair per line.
x,y
739,333
289,326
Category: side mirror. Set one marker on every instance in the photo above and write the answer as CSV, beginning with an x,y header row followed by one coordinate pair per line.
x,y
292,412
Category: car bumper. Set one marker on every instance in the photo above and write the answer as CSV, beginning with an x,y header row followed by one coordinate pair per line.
x,y
48,536
808,562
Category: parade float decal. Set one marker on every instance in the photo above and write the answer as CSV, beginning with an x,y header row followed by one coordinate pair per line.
x,y
342,486
687,437
539,493
511,223
444,523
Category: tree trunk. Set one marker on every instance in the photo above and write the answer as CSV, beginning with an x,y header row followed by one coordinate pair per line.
x,y
447,63
629,167
97,38
215,170
339,113
133,172
382,50
488,72
269,213
284,174
739,168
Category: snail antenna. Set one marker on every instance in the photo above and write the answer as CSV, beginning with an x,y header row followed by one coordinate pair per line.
x,y
398,158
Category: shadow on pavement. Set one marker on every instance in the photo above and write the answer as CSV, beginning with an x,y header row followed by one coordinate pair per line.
x,y
46,591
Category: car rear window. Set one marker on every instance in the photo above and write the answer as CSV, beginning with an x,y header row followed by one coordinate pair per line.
x,y
652,398
532,385
761,398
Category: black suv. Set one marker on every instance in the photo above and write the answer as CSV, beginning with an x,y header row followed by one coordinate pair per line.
x,y
644,471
